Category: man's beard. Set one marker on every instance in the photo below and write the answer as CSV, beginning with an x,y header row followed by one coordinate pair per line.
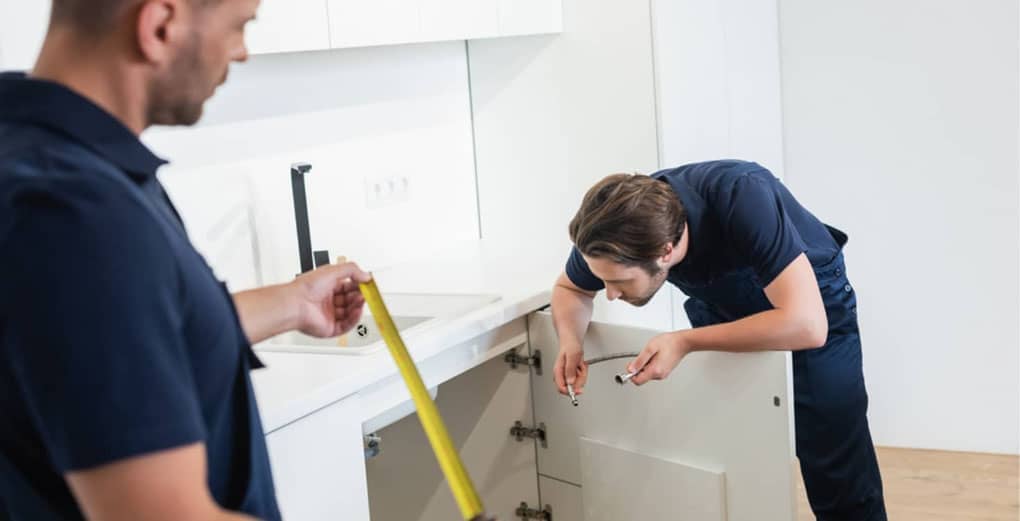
x,y
658,279
179,98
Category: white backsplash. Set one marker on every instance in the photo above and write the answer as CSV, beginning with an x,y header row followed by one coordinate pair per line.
x,y
400,112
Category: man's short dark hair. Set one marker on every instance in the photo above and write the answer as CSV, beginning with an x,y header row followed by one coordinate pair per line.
x,y
94,16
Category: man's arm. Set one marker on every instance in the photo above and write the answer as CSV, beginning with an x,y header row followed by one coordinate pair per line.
x,y
571,312
324,303
798,322
168,485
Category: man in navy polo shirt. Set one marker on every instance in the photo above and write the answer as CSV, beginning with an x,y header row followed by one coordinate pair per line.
x,y
762,273
124,364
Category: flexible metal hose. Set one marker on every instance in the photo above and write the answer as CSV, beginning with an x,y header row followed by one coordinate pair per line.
x,y
616,356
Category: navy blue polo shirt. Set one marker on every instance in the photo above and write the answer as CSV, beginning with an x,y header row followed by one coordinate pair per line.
x,y
742,221
116,339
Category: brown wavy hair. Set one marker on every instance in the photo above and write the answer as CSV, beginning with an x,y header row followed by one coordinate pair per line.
x,y
628,218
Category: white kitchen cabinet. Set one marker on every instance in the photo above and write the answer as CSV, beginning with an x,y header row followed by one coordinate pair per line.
x,y
701,418
22,29
318,465
289,26
530,17
654,488
458,19
284,26
714,439
566,497
357,23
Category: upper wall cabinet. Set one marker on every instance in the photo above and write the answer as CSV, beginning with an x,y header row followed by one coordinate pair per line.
x,y
458,19
518,17
362,23
310,25
289,26
301,25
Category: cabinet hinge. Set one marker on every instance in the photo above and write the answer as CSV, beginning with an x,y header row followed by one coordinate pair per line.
x,y
534,360
525,513
519,431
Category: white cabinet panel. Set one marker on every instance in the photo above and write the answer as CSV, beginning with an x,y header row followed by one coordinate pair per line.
x,y
22,29
458,19
717,71
289,26
753,80
561,113
691,74
530,17
356,23
701,416
318,465
620,484
308,25
563,498
360,23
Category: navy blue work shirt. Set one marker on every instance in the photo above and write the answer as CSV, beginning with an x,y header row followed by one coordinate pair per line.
x,y
745,228
116,339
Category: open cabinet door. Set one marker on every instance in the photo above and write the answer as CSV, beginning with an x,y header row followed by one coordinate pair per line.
x,y
714,442
479,407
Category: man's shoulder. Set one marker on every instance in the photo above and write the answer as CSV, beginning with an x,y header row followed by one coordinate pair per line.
x,y
41,168
29,152
716,171
719,178
58,189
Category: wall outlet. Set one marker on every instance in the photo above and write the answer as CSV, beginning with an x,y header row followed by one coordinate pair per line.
x,y
386,190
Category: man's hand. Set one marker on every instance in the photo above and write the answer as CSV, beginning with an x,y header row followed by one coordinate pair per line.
x,y
329,301
658,359
570,369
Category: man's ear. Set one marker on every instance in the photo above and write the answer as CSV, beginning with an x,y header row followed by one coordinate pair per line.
x,y
155,26
667,253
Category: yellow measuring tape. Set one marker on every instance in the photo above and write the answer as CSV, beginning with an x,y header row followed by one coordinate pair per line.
x,y
449,461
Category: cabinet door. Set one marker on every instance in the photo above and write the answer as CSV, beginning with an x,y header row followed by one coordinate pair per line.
x,y
479,407
360,23
621,484
566,497
459,19
319,465
289,26
22,29
530,17
721,423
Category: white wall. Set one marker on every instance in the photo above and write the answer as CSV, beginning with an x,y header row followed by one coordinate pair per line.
x,y
628,86
555,114
22,27
356,115
901,127
718,87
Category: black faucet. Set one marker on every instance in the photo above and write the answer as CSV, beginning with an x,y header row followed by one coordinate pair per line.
x,y
304,233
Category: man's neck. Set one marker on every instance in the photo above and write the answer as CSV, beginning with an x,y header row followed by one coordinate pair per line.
x,y
94,71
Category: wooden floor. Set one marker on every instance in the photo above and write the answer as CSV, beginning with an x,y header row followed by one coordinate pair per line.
x,y
923,485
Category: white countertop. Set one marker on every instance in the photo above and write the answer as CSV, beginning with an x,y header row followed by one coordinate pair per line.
x,y
294,385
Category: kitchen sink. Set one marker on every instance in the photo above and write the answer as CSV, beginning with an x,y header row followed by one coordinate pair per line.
x,y
410,311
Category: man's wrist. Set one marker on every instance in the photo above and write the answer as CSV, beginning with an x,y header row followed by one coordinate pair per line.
x,y
681,342
292,299
571,347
